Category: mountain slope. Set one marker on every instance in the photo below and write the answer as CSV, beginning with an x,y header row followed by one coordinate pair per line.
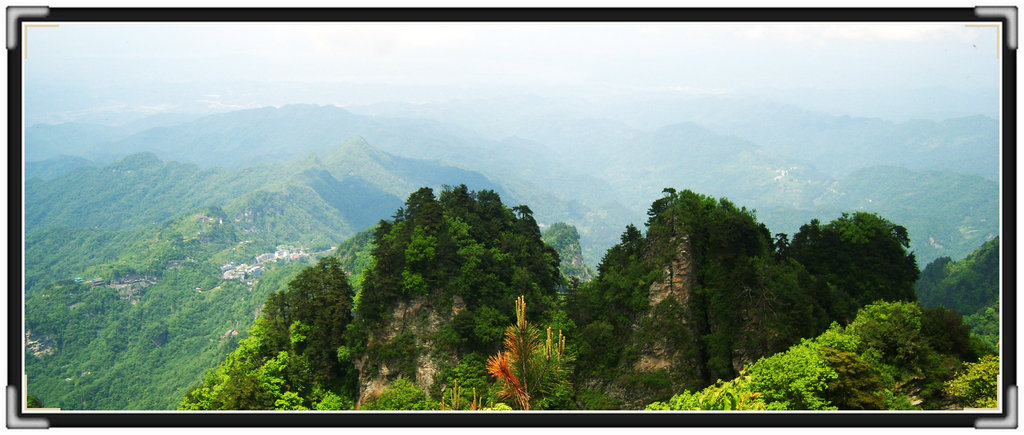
x,y
358,182
152,312
946,213
433,304
566,241
707,290
967,286
893,355
124,222
398,175
45,141
136,190
54,167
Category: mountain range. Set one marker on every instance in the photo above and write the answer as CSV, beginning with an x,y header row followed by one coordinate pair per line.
x,y
593,173
174,199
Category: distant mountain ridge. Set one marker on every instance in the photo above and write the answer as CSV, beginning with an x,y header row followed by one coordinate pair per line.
x,y
398,175
598,175
834,144
269,134
351,189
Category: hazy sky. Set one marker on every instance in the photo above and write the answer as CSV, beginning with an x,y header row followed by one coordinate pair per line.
x,y
78,68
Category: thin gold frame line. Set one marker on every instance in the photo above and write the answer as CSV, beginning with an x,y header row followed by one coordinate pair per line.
x,y
25,37
998,31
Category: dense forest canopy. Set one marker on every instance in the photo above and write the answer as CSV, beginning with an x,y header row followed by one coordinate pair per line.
x,y
706,309
462,257
291,359
893,355
969,286
708,289
408,312
130,319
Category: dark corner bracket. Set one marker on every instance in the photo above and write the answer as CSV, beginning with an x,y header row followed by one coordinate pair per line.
x,y
1007,421
1009,13
15,421
14,13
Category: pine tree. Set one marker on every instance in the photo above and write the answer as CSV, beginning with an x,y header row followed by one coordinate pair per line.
x,y
528,369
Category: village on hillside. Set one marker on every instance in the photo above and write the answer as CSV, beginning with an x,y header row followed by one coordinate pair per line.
x,y
244,271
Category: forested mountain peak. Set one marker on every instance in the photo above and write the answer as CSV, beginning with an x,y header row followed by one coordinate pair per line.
x,y
731,290
566,241
143,160
431,307
354,146
459,260
354,150
705,291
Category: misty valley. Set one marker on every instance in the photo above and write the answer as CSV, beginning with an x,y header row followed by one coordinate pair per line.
x,y
458,256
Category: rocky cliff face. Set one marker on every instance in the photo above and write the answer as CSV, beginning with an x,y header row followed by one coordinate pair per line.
x,y
403,346
665,355
39,346
674,290
678,277
668,355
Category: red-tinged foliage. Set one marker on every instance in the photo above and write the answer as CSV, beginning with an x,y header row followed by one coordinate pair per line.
x,y
528,369
499,367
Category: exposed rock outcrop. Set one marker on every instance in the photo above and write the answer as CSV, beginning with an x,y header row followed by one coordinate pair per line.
x,y
39,346
410,333
678,277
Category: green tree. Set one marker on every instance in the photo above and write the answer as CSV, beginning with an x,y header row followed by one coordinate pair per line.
x,y
734,395
401,395
290,360
976,384
967,286
890,337
857,259
857,384
794,379
985,327
33,402
319,299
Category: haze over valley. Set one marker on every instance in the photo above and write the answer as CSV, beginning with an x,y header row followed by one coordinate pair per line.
x,y
174,194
